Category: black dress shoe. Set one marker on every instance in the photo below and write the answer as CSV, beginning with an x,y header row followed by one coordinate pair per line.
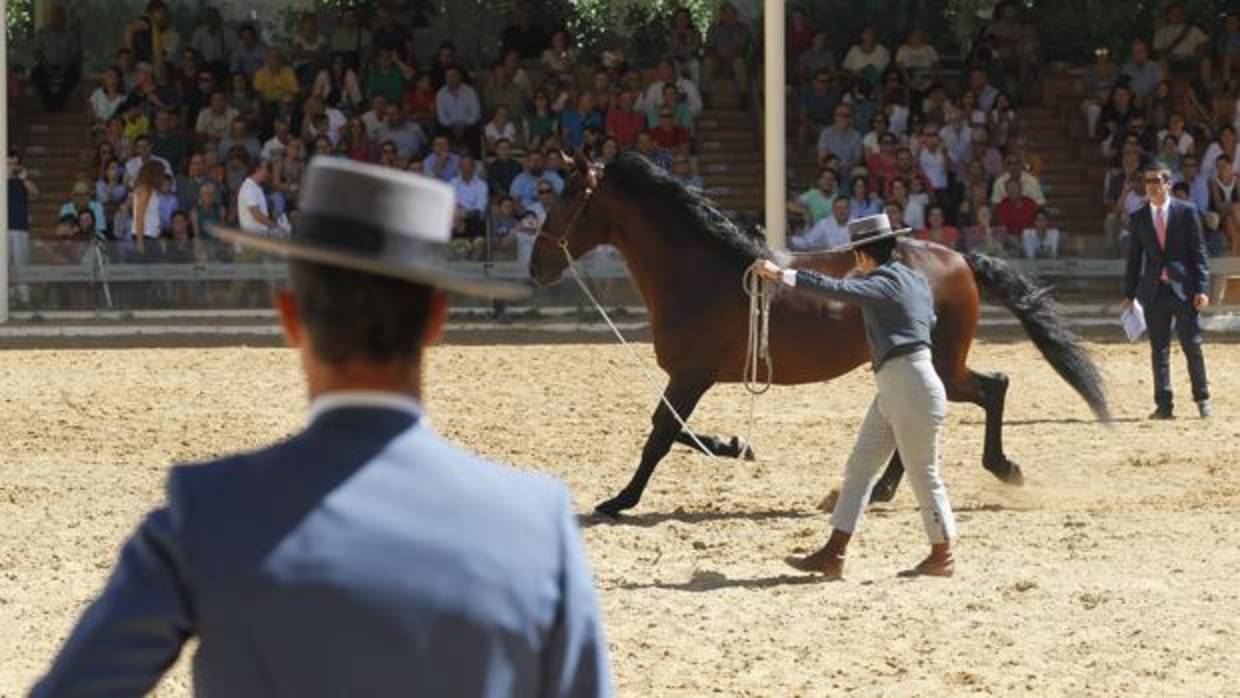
x,y
1162,413
1205,409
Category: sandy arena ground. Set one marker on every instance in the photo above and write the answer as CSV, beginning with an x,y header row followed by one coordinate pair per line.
x,y
1113,572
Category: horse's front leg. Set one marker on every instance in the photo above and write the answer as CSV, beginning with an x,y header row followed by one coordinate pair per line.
x,y
735,447
683,393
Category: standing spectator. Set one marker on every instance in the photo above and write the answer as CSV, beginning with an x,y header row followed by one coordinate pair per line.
x,y
524,187
815,203
937,229
252,211
442,163
799,36
249,54
388,77
22,190
145,225
216,120
867,59
727,46
472,196
1029,185
239,136
686,46
57,60
458,110
167,140
918,59
1143,73
841,139
1041,239
524,36
828,233
1179,42
214,43
666,75
108,97
275,80
350,38
337,84
1015,211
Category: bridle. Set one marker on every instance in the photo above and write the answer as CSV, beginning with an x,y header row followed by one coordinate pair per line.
x,y
562,241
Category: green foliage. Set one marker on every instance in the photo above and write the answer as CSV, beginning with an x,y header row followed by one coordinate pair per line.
x,y
20,17
640,26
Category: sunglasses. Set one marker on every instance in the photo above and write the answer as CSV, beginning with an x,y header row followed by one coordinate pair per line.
x,y
544,191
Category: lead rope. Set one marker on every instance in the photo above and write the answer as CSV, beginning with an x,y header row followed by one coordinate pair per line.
x,y
758,344
572,268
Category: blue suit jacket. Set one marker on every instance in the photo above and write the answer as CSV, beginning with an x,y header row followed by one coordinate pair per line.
x,y
363,557
1188,271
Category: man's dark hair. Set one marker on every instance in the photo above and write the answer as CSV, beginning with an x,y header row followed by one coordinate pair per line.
x,y
1159,169
879,251
352,315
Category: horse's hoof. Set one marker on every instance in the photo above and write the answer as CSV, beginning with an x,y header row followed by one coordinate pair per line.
x,y
1010,474
614,506
828,502
882,493
742,449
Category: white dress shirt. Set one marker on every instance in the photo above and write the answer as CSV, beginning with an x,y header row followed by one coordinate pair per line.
x,y
363,398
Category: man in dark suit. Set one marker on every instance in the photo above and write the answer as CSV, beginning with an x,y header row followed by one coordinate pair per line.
x,y
1168,273
366,555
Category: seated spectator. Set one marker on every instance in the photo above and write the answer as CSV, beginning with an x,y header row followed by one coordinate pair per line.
x,y
815,60
648,149
1225,144
540,123
287,173
937,229
153,97
405,134
389,156
1118,110
167,200
1184,141
623,122
1123,195
420,101
500,90
1002,120
442,163
143,153
727,47
818,104
862,201
501,170
1029,185
337,84
80,200
510,66
523,35
318,118
686,45
274,80
986,238
1015,211
376,117
110,189
1196,181
275,146
1100,79
882,164
871,142
982,149
867,59
252,212
976,194
912,200
243,99
1179,42
666,75
908,169
188,184
682,172
841,139
673,102
106,100
472,195
239,136
58,60
458,110
1169,157
445,59
918,59
1223,62
829,233
957,139
500,127
1224,194
214,42
309,49
934,161
216,120
981,87
524,187
1041,240
545,201
358,145
667,134
559,60
387,76
1161,105
195,89
167,141
1143,74
249,54
815,203
350,38
895,215
575,117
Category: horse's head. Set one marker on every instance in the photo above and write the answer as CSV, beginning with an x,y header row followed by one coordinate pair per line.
x,y
571,225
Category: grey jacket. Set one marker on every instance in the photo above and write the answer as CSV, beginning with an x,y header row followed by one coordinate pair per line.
x,y
366,556
896,305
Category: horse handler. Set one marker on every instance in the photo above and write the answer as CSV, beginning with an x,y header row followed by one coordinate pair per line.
x,y
898,310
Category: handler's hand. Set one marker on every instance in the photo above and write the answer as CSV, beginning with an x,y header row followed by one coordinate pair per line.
x,y
1201,301
768,270
1126,304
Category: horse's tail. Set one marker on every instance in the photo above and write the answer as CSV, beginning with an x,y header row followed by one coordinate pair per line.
x,y
1039,315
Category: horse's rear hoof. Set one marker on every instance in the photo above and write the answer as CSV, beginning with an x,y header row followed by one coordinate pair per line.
x,y
828,502
1010,474
614,506
882,493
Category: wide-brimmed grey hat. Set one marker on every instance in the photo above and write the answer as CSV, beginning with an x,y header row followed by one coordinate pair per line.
x,y
871,229
380,221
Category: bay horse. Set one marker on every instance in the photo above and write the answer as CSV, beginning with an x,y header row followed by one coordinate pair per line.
x,y
687,260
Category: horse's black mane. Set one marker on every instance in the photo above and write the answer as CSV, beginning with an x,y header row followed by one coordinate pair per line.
x,y
682,211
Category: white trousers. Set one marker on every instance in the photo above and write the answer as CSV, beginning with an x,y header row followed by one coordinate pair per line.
x,y
1036,246
906,414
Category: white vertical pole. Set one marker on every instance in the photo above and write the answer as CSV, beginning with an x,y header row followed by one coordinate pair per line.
x,y
776,170
4,148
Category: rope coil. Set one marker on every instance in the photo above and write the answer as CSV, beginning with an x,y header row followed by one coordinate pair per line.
x,y
758,346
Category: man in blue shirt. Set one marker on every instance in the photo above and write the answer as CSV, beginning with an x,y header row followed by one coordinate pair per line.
x,y
524,187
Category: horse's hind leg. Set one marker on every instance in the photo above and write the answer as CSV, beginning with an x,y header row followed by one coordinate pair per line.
x,y
885,489
989,392
735,447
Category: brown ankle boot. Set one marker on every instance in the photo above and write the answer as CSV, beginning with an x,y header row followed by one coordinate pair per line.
x,y
828,561
940,563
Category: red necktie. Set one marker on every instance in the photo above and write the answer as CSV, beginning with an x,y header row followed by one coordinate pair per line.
x,y
1160,227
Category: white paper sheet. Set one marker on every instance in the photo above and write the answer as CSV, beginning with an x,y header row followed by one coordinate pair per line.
x,y
1133,320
